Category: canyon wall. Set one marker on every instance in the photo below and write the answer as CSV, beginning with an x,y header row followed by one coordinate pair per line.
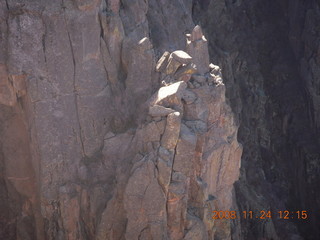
x,y
109,132
100,140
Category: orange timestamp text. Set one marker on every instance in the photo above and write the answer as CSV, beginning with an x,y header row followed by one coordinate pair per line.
x,y
263,214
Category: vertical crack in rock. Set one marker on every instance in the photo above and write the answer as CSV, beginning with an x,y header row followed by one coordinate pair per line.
x,y
166,155
175,159
44,45
75,90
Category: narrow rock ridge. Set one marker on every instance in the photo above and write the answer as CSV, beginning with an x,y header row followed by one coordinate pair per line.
x,y
188,155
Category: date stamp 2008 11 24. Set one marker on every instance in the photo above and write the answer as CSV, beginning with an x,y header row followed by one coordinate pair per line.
x,y
263,215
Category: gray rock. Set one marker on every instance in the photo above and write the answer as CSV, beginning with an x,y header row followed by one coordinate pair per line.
x,y
171,134
184,73
172,66
199,78
76,83
196,33
159,111
189,96
197,47
185,151
163,62
196,229
197,126
169,96
181,56
176,208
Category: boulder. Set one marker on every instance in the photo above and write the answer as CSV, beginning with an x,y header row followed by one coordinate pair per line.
x,y
172,66
163,62
169,96
184,73
181,56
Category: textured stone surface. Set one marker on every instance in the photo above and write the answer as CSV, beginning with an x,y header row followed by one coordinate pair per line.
x,y
88,134
181,56
159,111
92,147
171,133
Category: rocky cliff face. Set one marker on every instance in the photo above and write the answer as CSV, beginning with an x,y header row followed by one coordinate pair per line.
x,y
114,124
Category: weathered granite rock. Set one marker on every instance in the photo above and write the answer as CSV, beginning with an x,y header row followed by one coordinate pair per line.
x,y
197,47
163,62
181,56
173,65
80,155
196,229
185,151
169,96
189,96
171,134
164,165
199,78
159,111
177,205
196,34
184,73
145,204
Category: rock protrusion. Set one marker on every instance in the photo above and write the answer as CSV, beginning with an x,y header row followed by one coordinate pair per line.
x,y
185,72
197,47
171,134
159,111
196,33
172,66
163,62
181,56
168,97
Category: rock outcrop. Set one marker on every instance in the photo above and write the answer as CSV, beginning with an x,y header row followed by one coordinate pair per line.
x,y
101,141
115,125
187,152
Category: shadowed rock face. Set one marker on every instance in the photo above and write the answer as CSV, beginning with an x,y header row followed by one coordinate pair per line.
x,y
269,57
114,124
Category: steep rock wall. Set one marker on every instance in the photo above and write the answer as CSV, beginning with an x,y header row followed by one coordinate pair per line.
x,y
82,150
91,148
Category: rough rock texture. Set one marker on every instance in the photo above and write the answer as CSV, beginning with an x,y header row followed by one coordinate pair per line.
x,y
114,124
98,140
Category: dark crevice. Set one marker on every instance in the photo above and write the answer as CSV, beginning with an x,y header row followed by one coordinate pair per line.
x,y
7,5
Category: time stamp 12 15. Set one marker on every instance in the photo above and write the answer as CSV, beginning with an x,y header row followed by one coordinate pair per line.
x,y
263,215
